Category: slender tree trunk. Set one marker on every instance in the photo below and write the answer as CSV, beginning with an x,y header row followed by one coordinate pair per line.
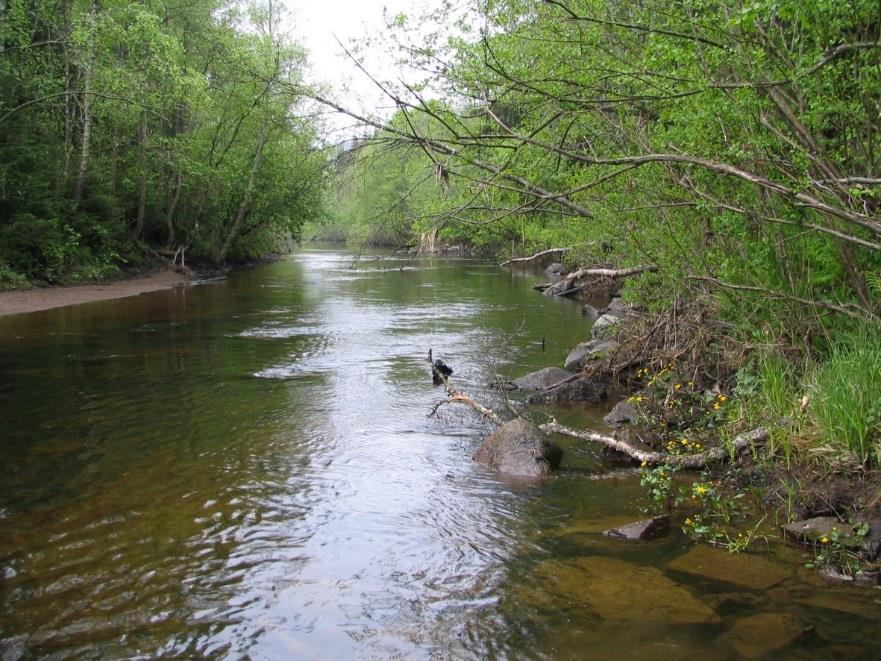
x,y
246,199
64,170
172,207
142,183
87,108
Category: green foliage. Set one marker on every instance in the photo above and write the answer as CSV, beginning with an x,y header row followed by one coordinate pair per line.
x,y
658,483
195,138
846,401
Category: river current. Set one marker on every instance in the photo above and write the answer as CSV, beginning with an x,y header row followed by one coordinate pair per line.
x,y
248,468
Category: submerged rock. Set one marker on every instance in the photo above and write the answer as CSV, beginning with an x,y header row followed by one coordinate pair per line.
x,y
619,591
542,379
747,571
586,352
623,413
759,635
644,530
520,448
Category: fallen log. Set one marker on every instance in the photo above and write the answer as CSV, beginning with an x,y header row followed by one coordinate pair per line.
x,y
566,285
690,461
538,255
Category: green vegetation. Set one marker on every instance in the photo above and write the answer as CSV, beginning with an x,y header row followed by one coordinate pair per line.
x,y
734,146
131,128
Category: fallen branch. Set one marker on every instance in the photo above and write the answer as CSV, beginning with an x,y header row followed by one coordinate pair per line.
x,y
691,461
454,395
538,255
567,284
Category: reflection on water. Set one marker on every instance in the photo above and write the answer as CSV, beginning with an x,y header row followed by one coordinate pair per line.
x,y
247,467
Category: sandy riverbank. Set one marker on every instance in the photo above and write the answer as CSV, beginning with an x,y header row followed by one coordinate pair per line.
x,y
33,300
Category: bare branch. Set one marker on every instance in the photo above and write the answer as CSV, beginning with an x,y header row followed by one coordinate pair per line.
x,y
691,461
538,255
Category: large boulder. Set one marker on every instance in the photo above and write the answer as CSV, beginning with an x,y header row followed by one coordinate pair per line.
x,y
542,379
520,448
586,352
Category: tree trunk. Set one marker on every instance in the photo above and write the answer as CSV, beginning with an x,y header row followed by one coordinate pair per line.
x,y
246,200
142,184
87,107
64,170
172,207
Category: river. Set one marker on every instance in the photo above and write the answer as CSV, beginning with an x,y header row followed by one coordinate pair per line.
x,y
248,468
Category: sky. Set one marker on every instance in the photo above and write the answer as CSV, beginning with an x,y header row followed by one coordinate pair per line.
x,y
318,23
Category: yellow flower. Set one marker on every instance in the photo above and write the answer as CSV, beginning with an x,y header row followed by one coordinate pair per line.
x,y
644,464
717,406
684,441
723,398
677,386
688,522
824,539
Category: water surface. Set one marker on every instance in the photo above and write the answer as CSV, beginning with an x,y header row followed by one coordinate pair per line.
x,y
248,468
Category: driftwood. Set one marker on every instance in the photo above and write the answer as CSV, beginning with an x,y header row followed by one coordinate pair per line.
x,y
567,286
454,395
538,255
691,461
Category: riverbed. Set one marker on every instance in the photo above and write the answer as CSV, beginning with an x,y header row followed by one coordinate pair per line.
x,y
248,467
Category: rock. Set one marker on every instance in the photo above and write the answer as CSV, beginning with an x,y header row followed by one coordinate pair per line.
x,y
643,530
555,271
623,413
586,352
747,571
759,635
542,379
811,531
590,312
618,308
619,591
579,390
603,326
520,448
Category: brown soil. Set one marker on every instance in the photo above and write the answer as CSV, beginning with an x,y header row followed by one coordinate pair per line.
x,y
33,300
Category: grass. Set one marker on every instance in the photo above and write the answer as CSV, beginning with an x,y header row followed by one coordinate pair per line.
x,y
846,394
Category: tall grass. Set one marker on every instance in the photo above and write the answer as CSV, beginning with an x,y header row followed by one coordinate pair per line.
x,y
847,396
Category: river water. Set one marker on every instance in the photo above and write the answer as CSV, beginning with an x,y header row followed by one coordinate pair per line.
x,y
248,468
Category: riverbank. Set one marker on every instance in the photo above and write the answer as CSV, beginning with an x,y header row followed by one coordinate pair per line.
x,y
680,389
47,298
